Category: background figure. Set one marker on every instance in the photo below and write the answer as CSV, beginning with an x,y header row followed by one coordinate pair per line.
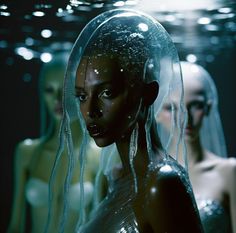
x,y
122,62
211,174
34,159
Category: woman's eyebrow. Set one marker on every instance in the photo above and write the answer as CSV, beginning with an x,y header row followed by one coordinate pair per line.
x,y
96,85
77,88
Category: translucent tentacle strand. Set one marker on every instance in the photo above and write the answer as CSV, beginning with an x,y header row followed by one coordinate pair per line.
x,y
147,132
82,160
132,152
70,168
52,177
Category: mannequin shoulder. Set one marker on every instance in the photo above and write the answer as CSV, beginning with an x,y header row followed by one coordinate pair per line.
x,y
28,145
226,165
219,163
228,169
25,150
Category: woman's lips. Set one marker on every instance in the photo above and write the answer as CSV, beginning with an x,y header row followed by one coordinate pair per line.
x,y
189,129
58,109
94,130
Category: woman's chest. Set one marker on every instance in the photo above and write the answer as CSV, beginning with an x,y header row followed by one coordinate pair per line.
x,y
208,184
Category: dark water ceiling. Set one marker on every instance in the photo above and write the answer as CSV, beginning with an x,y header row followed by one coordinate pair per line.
x,y
36,27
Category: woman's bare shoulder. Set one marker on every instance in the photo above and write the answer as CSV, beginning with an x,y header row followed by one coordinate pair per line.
x,y
169,193
230,162
225,167
218,161
25,149
228,169
222,163
169,174
29,143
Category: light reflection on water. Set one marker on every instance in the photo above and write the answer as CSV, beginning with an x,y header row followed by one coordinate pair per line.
x,y
53,27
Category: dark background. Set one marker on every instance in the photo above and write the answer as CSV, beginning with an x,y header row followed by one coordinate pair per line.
x,y
214,48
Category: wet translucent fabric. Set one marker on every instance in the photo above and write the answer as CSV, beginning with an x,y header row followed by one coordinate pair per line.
x,y
211,132
145,52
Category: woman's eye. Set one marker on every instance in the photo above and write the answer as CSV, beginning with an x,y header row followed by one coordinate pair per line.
x,y
198,105
171,108
167,107
82,98
49,90
106,94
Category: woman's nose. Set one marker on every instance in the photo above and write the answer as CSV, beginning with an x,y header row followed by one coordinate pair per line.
x,y
95,114
59,94
190,114
93,109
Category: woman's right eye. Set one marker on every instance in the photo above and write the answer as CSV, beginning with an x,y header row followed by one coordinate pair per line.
x,y
106,94
82,97
167,107
197,105
49,90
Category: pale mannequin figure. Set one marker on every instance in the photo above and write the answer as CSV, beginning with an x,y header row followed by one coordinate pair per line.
x,y
34,159
122,62
212,174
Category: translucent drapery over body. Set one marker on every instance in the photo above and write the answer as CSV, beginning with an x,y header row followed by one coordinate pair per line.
x,y
145,53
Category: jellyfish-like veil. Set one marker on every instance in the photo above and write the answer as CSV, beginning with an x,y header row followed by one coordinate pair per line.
x,y
146,52
211,133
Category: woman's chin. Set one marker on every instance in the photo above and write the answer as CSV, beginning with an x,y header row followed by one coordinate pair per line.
x,y
190,137
103,142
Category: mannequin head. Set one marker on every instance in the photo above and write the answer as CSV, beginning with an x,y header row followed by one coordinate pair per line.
x,y
197,99
50,90
201,102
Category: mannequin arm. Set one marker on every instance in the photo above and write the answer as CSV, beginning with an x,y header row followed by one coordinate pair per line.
x,y
17,221
232,192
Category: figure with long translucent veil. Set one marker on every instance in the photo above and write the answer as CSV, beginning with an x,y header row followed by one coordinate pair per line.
x,y
34,159
121,64
211,173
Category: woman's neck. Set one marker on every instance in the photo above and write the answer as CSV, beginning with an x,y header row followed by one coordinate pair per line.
x,y
52,138
194,150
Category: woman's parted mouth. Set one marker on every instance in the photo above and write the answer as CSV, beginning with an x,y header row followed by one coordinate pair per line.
x,y
94,130
58,110
189,129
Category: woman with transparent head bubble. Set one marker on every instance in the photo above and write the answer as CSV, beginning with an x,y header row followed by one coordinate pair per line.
x,y
121,64
212,175
34,159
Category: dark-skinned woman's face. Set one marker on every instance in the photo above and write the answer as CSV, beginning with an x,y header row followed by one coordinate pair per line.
x,y
108,103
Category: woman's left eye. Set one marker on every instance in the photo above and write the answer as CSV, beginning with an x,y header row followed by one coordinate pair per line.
x,y
198,105
106,93
49,90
